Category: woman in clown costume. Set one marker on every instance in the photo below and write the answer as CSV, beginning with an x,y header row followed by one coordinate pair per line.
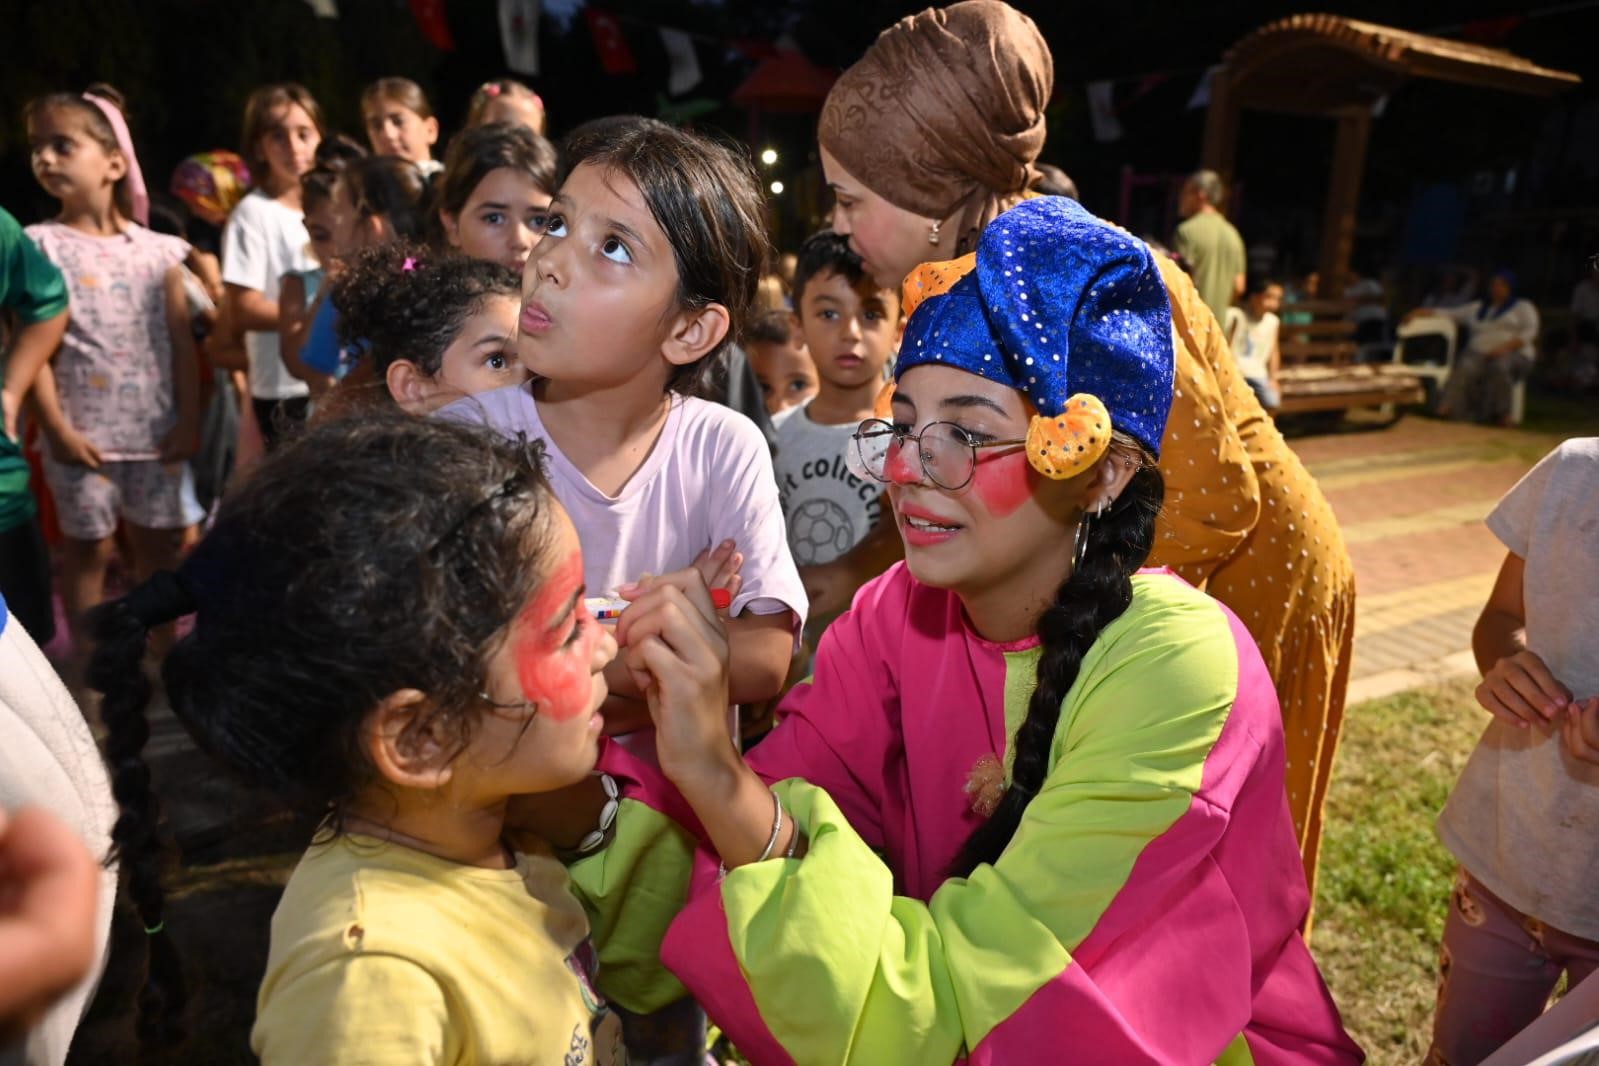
x,y
937,129
1030,805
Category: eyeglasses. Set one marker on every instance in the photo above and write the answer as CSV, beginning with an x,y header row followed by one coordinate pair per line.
x,y
947,452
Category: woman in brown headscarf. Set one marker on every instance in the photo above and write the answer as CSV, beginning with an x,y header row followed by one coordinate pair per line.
x,y
926,139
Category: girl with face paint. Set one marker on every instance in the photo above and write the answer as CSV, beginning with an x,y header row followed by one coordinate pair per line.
x,y
390,628
1031,788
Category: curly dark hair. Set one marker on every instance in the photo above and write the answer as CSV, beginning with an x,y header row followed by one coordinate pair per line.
x,y
363,557
705,196
1092,597
413,314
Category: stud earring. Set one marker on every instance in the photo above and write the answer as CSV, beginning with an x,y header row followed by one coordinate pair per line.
x,y
932,233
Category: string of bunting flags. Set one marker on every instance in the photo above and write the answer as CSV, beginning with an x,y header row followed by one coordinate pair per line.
x,y
519,38
1107,99
610,32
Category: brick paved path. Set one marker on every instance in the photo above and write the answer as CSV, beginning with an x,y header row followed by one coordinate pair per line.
x,y
1411,499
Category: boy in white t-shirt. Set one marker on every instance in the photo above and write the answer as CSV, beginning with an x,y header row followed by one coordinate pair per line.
x,y
1252,331
850,326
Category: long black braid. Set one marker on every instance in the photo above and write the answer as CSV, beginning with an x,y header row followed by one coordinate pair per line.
x,y
121,630
1091,598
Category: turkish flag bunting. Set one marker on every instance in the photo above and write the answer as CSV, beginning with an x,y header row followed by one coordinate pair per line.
x,y
519,35
429,15
615,56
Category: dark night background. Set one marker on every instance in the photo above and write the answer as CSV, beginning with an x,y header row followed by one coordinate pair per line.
x,y
1521,171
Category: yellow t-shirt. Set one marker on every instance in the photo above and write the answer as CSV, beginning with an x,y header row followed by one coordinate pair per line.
x,y
382,954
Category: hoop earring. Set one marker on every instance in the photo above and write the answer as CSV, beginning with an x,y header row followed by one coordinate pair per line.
x,y
932,233
1080,543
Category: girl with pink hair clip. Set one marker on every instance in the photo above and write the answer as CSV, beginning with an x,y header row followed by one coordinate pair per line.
x,y
120,403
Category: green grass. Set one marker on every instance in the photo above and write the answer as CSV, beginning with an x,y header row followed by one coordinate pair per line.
x,y
1561,413
1385,878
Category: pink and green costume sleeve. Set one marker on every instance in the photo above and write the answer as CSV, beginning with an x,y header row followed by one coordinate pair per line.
x,y
1146,911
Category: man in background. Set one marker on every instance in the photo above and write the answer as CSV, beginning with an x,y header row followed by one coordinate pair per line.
x,y
1208,244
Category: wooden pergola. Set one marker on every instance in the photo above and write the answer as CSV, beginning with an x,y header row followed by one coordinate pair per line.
x,y
1327,66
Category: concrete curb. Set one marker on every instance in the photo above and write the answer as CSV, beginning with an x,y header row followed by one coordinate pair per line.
x,y
1417,675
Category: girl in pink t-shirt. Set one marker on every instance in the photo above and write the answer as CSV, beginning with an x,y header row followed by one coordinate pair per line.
x,y
646,270
119,405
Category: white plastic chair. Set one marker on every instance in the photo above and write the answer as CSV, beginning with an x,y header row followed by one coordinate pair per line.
x,y
1425,346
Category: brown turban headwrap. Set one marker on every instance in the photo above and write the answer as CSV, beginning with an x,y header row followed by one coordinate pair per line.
x,y
944,115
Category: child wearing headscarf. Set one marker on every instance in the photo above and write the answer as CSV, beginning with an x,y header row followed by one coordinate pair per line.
x,y
1498,355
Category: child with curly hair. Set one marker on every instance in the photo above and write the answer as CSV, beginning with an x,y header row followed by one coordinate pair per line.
x,y
389,630
430,327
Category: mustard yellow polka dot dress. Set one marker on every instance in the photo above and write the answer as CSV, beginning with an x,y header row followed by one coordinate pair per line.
x,y
1245,521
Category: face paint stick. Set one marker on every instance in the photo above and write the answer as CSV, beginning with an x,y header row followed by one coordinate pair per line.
x,y
610,608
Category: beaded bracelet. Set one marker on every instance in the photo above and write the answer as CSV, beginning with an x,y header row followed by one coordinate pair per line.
x,y
593,840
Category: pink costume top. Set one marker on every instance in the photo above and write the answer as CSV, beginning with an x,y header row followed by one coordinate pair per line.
x,y
1146,911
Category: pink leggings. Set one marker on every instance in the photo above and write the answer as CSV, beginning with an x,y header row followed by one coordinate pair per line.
x,y
1497,968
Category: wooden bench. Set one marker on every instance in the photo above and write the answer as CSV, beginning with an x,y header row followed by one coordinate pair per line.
x,y
1319,371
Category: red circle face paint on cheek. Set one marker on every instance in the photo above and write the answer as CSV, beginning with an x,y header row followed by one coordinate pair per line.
x,y
554,675
1005,483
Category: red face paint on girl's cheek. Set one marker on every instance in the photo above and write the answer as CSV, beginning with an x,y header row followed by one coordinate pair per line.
x,y
1004,484
554,677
